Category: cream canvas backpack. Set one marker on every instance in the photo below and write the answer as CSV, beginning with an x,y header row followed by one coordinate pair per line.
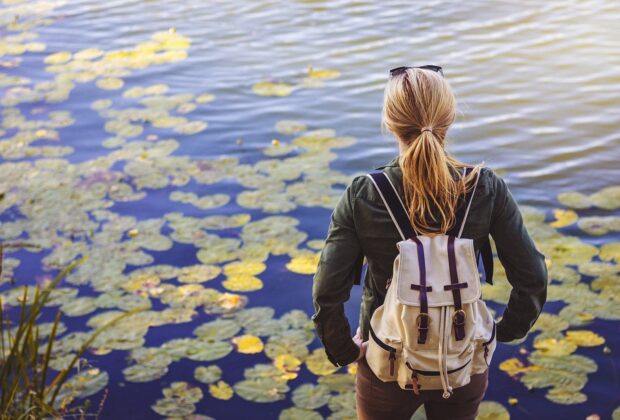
x,y
432,331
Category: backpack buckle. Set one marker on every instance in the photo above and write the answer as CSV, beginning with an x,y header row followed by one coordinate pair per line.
x,y
418,320
455,319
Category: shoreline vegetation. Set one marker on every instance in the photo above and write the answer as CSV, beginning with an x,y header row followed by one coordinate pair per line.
x,y
28,390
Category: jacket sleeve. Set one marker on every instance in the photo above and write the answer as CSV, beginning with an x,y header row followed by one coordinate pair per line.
x,y
340,261
524,264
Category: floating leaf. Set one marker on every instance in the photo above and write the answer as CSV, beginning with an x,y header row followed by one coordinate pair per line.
x,y
272,89
290,127
243,283
208,374
584,338
304,264
58,58
610,251
553,347
339,382
205,98
514,367
574,200
296,413
319,364
563,218
221,390
491,410
219,329
562,396
310,396
199,273
262,390
323,74
248,344
288,365
607,198
110,83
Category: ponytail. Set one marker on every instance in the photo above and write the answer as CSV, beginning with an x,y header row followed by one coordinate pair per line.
x,y
419,107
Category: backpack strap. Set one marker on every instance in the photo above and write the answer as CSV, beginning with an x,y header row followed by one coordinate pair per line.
x,y
399,216
393,204
469,198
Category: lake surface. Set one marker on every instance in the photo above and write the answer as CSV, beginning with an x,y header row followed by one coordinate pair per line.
x,y
104,140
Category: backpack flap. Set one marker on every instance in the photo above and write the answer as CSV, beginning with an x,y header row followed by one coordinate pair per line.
x,y
427,262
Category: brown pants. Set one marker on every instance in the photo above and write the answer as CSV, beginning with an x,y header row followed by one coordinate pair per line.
x,y
378,400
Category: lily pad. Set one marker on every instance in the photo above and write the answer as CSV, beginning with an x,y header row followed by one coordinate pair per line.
x,y
248,344
261,390
318,363
574,200
208,374
492,410
221,390
296,413
310,396
272,89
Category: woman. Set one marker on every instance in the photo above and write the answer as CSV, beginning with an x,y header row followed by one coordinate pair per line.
x,y
419,107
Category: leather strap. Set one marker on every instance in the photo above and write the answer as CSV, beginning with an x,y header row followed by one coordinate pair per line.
x,y
458,319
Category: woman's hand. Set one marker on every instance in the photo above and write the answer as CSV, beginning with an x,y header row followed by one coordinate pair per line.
x,y
357,339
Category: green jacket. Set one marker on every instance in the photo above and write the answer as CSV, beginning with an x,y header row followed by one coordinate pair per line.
x,y
361,227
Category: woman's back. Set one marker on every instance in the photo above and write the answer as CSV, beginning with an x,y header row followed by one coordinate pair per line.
x,y
418,109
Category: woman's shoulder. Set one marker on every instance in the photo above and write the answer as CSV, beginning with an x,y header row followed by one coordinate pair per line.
x,y
362,186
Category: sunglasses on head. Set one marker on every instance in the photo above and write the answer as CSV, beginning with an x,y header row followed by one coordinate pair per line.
x,y
399,70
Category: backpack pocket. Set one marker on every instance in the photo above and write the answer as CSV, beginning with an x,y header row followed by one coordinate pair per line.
x,y
383,355
485,339
424,370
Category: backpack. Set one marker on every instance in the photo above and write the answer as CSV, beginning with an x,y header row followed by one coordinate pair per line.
x,y
432,331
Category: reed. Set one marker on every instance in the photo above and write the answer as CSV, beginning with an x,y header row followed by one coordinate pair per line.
x,y
26,389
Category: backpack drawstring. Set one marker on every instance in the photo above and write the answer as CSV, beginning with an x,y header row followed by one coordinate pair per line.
x,y
442,353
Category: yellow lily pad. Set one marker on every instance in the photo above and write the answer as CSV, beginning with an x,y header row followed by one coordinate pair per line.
x,y
288,365
492,410
554,347
304,264
221,390
514,367
564,218
205,98
272,89
323,74
110,83
243,283
248,344
585,338
58,58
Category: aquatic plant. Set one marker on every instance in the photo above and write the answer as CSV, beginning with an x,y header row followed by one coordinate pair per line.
x,y
27,388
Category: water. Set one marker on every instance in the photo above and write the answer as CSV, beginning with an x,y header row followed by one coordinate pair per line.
x,y
537,89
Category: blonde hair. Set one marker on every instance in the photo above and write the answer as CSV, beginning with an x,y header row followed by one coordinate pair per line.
x,y
418,108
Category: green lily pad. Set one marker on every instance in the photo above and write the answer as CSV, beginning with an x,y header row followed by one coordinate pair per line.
x,y
262,390
492,410
310,396
296,413
562,396
208,374
219,329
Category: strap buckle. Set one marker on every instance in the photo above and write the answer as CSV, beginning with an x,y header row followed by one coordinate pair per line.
x,y
455,318
418,320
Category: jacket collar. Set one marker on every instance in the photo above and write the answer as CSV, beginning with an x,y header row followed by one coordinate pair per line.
x,y
392,163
